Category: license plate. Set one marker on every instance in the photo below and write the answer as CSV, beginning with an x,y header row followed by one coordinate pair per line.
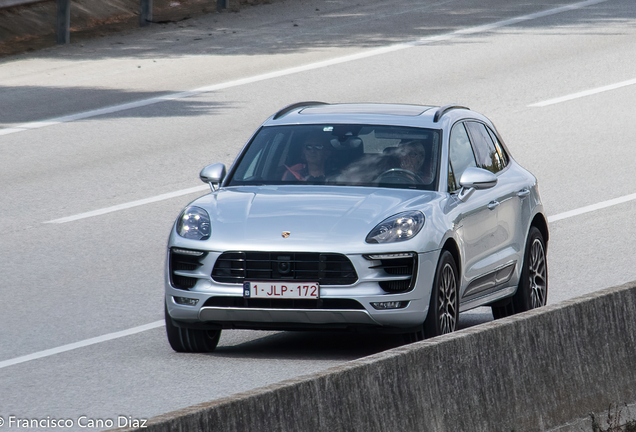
x,y
289,290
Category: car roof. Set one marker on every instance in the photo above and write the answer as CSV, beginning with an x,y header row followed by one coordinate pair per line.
x,y
363,113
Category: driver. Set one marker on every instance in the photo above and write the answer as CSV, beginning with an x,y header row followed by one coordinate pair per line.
x,y
412,157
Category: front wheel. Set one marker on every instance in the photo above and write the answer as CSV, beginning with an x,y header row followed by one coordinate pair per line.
x,y
532,291
443,312
190,340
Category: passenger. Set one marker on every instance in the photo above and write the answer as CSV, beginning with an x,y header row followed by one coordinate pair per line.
x,y
316,150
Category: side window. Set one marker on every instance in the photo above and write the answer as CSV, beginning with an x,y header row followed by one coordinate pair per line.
x,y
461,155
487,156
499,148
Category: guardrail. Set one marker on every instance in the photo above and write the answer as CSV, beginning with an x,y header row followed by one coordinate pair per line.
x,y
11,3
543,370
63,24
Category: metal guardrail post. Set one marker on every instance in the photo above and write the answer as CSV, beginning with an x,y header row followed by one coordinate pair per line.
x,y
222,4
145,14
63,29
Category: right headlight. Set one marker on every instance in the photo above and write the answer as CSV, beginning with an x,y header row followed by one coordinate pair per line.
x,y
401,227
194,223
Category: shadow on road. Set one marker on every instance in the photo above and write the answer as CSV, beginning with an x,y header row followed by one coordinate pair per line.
x,y
40,98
342,346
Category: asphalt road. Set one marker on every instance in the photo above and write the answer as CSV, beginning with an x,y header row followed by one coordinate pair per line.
x,y
93,279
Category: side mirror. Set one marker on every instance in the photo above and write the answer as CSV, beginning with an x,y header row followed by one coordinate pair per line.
x,y
213,175
474,179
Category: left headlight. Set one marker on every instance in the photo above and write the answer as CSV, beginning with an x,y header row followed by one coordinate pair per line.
x,y
401,227
194,223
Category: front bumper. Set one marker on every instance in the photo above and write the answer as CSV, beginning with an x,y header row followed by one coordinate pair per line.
x,y
220,305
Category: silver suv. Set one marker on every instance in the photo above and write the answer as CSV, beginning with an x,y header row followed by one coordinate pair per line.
x,y
384,217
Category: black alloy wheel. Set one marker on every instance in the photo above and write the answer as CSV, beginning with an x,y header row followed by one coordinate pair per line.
x,y
443,312
532,291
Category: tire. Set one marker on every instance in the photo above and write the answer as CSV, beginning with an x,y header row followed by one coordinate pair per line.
x,y
443,312
532,291
190,340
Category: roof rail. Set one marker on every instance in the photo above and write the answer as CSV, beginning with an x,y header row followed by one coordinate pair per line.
x,y
444,109
292,107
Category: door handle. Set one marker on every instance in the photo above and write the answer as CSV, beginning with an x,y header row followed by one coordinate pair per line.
x,y
493,205
523,193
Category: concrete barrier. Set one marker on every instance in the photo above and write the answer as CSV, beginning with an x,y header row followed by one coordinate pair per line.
x,y
543,370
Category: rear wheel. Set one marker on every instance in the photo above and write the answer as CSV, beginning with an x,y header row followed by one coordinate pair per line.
x,y
190,340
532,291
443,312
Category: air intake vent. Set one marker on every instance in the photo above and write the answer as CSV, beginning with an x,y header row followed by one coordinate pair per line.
x,y
184,261
403,266
324,268
396,286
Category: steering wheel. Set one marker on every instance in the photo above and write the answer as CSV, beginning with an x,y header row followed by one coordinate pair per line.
x,y
398,175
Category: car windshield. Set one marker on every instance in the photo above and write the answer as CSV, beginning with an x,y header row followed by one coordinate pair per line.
x,y
347,155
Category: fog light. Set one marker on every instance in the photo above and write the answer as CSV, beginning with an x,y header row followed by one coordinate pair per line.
x,y
390,305
186,301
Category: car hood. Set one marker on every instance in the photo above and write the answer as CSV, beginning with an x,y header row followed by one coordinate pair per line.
x,y
327,217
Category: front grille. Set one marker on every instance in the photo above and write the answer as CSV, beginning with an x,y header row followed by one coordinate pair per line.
x,y
240,302
324,268
406,266
184,260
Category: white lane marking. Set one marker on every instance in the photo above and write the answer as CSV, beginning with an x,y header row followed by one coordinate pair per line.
x,y
298,69
591,208
81,344
128,205
584,93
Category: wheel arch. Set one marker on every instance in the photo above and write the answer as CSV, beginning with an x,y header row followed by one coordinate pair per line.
x,y
451,246
539,221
